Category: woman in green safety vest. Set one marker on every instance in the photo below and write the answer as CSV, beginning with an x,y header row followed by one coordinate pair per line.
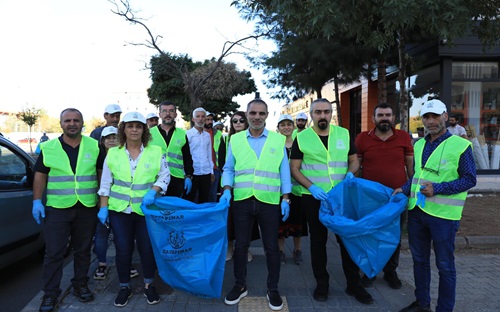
x,y
133,174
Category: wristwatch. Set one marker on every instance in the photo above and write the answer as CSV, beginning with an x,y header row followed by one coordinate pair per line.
x,y
289,201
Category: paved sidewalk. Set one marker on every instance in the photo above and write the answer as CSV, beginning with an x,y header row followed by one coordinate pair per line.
x,y
478,287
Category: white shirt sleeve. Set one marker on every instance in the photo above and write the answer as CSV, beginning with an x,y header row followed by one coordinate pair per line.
x,y
106,179
163,175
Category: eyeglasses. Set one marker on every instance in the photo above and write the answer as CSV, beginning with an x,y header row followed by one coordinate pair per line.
x,y
241,120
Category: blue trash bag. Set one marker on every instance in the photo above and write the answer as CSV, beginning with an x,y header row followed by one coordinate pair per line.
x,y
367,218
189,243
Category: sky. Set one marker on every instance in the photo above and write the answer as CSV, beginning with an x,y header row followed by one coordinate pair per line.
x,y
73,53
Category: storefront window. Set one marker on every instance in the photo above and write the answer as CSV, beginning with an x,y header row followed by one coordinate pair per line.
x,y
477,107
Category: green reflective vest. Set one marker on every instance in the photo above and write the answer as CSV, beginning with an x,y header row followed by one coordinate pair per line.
x,y
217,137
325,168
173,150
127,190
294,133
258,177
65,188
441,166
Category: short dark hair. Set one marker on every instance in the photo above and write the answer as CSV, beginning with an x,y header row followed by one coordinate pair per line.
x,y
167,103
71,110
382,105
454,116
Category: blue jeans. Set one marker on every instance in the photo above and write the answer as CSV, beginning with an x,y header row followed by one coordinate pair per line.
x,y
214,187
245,213
422,230
78,223
101,242
127,227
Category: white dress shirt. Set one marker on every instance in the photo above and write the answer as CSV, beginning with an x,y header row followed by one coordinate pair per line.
x,y
107,177
200,145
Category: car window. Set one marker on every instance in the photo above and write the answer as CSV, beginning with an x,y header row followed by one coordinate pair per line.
x,y
14,172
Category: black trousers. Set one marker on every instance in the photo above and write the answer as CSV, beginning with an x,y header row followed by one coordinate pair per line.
x,y
201,187
318,235
79,224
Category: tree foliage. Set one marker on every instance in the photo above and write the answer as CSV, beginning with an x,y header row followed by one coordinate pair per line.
x,y
182,77
382,24
29,115
216,94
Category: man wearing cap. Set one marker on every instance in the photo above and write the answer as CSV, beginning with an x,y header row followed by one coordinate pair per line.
x,y
321,157
219,126
67,169
175,144
152,119
444,172
300,122
215,136
201,150
112,114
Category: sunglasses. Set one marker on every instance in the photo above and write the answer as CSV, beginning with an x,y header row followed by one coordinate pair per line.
x,y
241,120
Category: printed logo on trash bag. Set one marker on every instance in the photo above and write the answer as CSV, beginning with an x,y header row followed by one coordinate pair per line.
x,y
176,239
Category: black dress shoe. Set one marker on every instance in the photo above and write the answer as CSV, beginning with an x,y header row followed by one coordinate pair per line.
x,y
320,294
414,307
360,294
48,303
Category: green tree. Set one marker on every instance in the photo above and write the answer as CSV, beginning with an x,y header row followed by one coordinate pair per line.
x,y
216,93
192,83
29,115
384,24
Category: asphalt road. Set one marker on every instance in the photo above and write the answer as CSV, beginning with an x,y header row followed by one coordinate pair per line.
x,y
21,281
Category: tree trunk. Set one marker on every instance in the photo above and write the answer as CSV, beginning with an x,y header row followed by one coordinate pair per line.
x,y
337,101
403,96
382,80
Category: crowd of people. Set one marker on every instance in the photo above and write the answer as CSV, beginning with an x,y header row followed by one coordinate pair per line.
x,y
273,182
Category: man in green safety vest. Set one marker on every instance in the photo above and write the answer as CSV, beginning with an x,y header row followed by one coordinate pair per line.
x,y
258,171
444,172
215,136
68,169
174,143
321,157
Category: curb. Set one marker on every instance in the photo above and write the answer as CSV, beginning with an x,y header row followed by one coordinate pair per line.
x,y
468,242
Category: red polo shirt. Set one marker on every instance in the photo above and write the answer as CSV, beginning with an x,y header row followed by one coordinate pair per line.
x,y
384,161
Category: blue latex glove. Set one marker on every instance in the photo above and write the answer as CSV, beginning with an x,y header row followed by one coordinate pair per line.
x,y
149,198
38,210
285,210
102,215
188,184
225,198
317,192
421,198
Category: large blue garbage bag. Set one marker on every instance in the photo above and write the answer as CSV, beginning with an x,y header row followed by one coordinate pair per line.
x,y
367,219
189,243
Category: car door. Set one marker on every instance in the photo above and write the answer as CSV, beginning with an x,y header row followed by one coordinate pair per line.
x,y
20,235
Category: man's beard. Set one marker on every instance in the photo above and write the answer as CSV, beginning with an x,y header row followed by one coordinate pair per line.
x,y
301,126
208,126
453,124
323,124
383,126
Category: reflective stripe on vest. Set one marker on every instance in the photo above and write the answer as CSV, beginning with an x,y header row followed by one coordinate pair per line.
x,y
127,191
65,188
173,151
444,162
258,177
325,168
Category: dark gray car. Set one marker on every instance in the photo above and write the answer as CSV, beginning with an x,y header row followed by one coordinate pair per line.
x,y
20,235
